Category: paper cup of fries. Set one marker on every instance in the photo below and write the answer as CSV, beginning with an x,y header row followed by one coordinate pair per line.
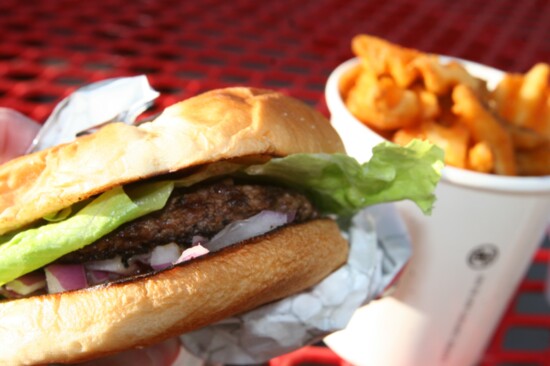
x,y
493,203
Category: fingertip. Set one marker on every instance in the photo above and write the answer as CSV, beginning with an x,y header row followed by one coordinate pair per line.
x,y
161,354
16,133
165,353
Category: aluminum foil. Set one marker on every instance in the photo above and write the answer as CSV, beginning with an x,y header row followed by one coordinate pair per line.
x,y
111,100
380,246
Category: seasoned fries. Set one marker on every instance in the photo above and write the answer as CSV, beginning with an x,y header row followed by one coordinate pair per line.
x,y
385,58
405,94
486,128
480,158
524,100
391,106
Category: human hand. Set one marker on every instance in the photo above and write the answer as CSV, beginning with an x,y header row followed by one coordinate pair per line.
x,y
16,133
162,354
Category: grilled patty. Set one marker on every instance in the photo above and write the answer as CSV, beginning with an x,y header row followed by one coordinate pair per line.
x,y
203,210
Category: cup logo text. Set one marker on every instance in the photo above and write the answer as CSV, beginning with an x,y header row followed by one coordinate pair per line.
x,y
482,256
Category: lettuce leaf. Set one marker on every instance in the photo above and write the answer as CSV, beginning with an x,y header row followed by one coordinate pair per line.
x,y
336,183
339,184
34,248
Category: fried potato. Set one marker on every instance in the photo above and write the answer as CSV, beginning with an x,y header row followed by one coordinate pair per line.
x,y
405,135
485,127
430,108
504,95
480,158
441,78
382,104
384,57
525,138
544,116
524,100
405,94
348,80
532,96
453,140
534,161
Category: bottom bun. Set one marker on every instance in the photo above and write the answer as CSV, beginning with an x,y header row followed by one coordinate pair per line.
x,y
80,325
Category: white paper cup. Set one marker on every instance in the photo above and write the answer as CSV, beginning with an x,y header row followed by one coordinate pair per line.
x,y
468,258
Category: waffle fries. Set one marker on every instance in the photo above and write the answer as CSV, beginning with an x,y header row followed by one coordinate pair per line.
x,y
403,94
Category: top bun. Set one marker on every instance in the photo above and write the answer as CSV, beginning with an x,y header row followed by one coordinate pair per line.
x,y
217,125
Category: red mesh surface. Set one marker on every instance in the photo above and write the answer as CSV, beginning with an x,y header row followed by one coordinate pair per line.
x,y
49,48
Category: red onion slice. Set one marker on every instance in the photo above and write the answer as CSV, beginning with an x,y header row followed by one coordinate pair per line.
x,y
164,256
114,265
138,259
65,277
193,252
69,277
241,230
97,277
27,284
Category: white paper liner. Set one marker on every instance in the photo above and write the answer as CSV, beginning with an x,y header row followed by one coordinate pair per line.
x,y
120,98
379,248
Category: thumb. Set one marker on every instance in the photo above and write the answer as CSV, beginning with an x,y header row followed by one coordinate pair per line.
x,y
16,133
162,354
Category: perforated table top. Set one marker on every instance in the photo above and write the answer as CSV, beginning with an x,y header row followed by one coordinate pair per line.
x,y
49,48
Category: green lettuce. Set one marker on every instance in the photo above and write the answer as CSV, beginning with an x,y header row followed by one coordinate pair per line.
x,y
339,184
336,183
34,248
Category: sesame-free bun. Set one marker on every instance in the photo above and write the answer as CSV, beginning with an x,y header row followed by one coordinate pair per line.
x,y
79,325
217,125
222,124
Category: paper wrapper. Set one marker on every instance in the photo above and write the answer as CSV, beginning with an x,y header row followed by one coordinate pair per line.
x,y
379,249
119,99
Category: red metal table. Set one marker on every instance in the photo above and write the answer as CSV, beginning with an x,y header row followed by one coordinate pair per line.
x,y
49,48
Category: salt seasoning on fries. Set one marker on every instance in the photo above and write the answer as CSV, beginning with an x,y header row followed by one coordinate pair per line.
x,y
404,94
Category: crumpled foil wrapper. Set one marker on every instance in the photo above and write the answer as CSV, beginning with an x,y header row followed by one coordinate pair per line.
x,y
111,100
380,247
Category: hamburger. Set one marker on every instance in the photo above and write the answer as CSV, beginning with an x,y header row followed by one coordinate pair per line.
x,y
134,234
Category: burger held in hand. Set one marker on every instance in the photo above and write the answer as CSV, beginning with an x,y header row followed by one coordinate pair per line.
x,y
225,202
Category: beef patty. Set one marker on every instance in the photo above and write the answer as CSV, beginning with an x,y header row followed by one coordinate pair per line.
x,y
202,210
